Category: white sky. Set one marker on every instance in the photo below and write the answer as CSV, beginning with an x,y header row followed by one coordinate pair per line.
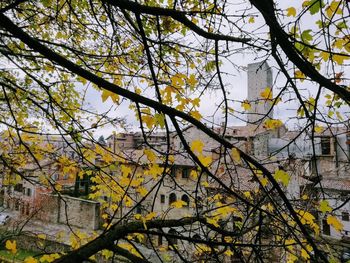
x,y
236,84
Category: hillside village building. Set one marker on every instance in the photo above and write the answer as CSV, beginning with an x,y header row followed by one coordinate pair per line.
x,y
319,167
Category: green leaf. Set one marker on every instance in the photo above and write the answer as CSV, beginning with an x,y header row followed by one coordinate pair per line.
x,y
315,6
306,36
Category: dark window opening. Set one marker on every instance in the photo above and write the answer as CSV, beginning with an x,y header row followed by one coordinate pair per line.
x,y
345,216
138,209
186,199
326,145
162,199
28,209
172,240
172,198
18,188
160,240
173,171
186,173
326,229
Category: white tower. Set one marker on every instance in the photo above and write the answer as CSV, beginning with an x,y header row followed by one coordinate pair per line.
x,y
259,78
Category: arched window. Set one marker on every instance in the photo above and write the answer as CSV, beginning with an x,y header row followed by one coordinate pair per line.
x,y
172,240
186,199
172,198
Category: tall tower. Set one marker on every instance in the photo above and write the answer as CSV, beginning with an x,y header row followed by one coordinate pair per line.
x,y
259,77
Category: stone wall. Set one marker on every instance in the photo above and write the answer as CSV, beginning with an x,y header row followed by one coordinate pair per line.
x,y
70,210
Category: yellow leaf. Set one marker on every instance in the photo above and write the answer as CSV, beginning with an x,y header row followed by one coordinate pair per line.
x,y
11,245
291,11
299,75
196,101
246,105
318,129
333,221
194,174
178,204
205,160
264,181
236,156
178,80
195,114
305,197
154,170
41,236
205,184
251,20
282,176
106,94
325,55
213,221
197,146
150,216
128,201
324,206
333,8
247,194
192,80
30,260
107,253
142,191
266,93
138,91
272,124
305,254
171,158
151,156
126,170
339,59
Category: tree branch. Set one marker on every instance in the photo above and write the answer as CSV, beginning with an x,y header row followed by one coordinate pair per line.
x,y
175,14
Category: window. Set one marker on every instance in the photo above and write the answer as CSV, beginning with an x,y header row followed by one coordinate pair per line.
x,y
172,240
138,209
325,145
326,229
172,198
186,173
186,199
160,240
29,192
173,171
27,209
18,188
345,216
162,199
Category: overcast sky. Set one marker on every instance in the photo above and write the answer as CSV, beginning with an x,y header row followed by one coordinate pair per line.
x,y
236,84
